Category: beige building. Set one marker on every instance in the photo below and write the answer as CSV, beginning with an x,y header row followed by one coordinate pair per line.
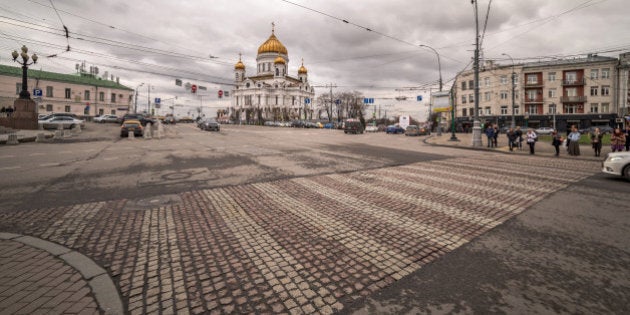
x,y
558,93
82,94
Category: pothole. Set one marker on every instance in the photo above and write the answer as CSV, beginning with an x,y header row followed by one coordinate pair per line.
x,y
153,202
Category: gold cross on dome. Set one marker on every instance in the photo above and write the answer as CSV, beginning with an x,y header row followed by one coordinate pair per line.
x,y
273,26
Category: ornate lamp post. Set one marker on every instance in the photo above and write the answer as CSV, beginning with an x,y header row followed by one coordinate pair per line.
x,y
24,94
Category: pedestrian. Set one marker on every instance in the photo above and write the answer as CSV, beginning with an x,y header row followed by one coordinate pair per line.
x,y
512,139
627,134
9,111
532,137
519,135
496,134
568,132
490,135
574,141
596,141
556,141
617,140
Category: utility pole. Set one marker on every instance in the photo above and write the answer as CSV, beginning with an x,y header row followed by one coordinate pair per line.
x,y
476,142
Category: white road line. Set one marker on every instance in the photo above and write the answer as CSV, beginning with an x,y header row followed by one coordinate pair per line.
x,y
111,158
6,156
36,154
6,168
49,164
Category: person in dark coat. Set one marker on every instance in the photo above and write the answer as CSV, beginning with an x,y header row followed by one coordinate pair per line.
x,y
519,135
596,141
496,134
512,139
490,135
556,141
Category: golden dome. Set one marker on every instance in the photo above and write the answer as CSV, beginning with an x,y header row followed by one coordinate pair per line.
x,y
272,45
302,69
239,65
279,60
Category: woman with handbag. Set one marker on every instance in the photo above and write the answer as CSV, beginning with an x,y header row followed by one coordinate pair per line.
x,y
617,140
596,141
574,141
531,140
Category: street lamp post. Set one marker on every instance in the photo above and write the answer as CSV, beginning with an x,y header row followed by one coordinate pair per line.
x,y
513,87
135,104
439,63
476,141
24,94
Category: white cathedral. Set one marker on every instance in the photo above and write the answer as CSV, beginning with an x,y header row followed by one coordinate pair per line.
x,y
271,94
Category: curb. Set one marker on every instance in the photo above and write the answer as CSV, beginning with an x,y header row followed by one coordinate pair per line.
x,y
105,292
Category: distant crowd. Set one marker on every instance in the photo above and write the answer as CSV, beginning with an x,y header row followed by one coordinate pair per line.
x,y
6,112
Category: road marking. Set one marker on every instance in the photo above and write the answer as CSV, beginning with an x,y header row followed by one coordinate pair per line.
x,y
111,158
6,156
6,168
66,152
36,154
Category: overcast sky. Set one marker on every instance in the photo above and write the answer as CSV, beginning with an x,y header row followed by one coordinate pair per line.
x,y
199,41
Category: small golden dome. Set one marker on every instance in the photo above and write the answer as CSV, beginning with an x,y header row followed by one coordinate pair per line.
x,y
279,60
302,69
239,65
272,45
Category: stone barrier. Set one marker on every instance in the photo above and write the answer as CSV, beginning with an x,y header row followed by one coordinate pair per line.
x,y
147,131
13,139
41,137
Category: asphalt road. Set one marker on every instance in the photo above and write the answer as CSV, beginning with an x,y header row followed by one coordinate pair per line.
x,y
277,220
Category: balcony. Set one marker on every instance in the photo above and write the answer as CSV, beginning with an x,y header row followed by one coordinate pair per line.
x,y
573,99
575,82
533,84
533,100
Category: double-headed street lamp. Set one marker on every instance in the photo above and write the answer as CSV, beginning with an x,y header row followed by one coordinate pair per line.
x,y
24,94
439,128
135,104
513,87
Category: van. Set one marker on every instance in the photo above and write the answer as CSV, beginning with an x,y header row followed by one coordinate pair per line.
x,y
353,126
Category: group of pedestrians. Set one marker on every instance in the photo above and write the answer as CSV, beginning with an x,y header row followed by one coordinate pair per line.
x,y
6,112
492,133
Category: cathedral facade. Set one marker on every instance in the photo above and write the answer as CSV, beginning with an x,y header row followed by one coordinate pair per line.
x,y
271,93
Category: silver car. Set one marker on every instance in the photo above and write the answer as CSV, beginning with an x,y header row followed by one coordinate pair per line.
x,y
64,121
617,163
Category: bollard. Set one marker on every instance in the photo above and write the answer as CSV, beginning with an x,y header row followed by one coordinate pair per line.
x,y
147,131
13,139
41,137
58,134
160,130
77,128
131,135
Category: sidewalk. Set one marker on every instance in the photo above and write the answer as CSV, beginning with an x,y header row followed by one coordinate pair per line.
x,y
542,148
40,277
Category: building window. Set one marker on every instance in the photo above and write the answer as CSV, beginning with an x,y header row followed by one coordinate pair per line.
x,y
276,99
471,98
570,77
516,94
486,81
552,92
293,100
49,91
86,95
594,74
487,111
113,112
504,110
571,91
594,107
504,79
49,107
594,90
532,79
101,112
113,98
68,93
605,73
605,90
471,84
464,112
515,80
531,95
552,76
532,109
570,109
552,108
463,99
463,85
605,108
504,95
487,96
67,109
517,110
101,96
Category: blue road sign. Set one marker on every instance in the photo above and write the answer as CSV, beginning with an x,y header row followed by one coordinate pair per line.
x,y
368,100
337,102
157,100
419,98
37,92
307,100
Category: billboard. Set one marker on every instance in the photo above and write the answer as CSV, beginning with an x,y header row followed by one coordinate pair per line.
x,y
441,101
403,121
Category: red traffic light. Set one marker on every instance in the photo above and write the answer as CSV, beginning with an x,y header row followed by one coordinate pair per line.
x,y
193,88
220,93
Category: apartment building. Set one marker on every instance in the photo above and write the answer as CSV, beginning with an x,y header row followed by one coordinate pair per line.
x,y
557,93
82,94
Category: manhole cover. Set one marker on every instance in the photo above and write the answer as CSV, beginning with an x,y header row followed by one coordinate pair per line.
x,y
176,176
152,202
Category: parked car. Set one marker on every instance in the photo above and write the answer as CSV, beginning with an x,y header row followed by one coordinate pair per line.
x,y
617,163
544,130
144,120
186,119
209,125
131,125
106,119
412,130
170,120
353,126
371,128
394,129
51,115
591,129
424,131
65,122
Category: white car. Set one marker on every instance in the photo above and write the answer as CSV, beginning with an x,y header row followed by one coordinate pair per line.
x,y
371,128
106,118
544,130
617,163
64,121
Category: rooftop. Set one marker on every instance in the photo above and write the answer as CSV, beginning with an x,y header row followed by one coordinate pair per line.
x,y
61,77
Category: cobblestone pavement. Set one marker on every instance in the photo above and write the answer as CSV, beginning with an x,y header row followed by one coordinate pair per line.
x,y
306,245
33,281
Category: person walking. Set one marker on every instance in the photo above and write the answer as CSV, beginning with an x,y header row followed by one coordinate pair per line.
x,y
596,141
627,134
556,141
617,140
490,135
512,138
532,137
574,141
496,135
519,137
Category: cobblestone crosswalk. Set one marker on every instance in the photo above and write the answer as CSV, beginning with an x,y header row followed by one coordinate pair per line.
x,y
302,246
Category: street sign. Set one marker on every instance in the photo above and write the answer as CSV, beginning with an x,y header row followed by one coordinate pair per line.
x,y
419,98
368,100
307,100
37,92
158,100
337,102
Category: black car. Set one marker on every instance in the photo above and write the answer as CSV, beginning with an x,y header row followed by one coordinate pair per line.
x,y
209,125
353,126
143,119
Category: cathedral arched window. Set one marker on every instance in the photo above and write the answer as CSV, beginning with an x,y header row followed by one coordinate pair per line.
x,y
277,71
276,99
247,85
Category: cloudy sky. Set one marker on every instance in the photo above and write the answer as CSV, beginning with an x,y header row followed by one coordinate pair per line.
x,y
377,52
